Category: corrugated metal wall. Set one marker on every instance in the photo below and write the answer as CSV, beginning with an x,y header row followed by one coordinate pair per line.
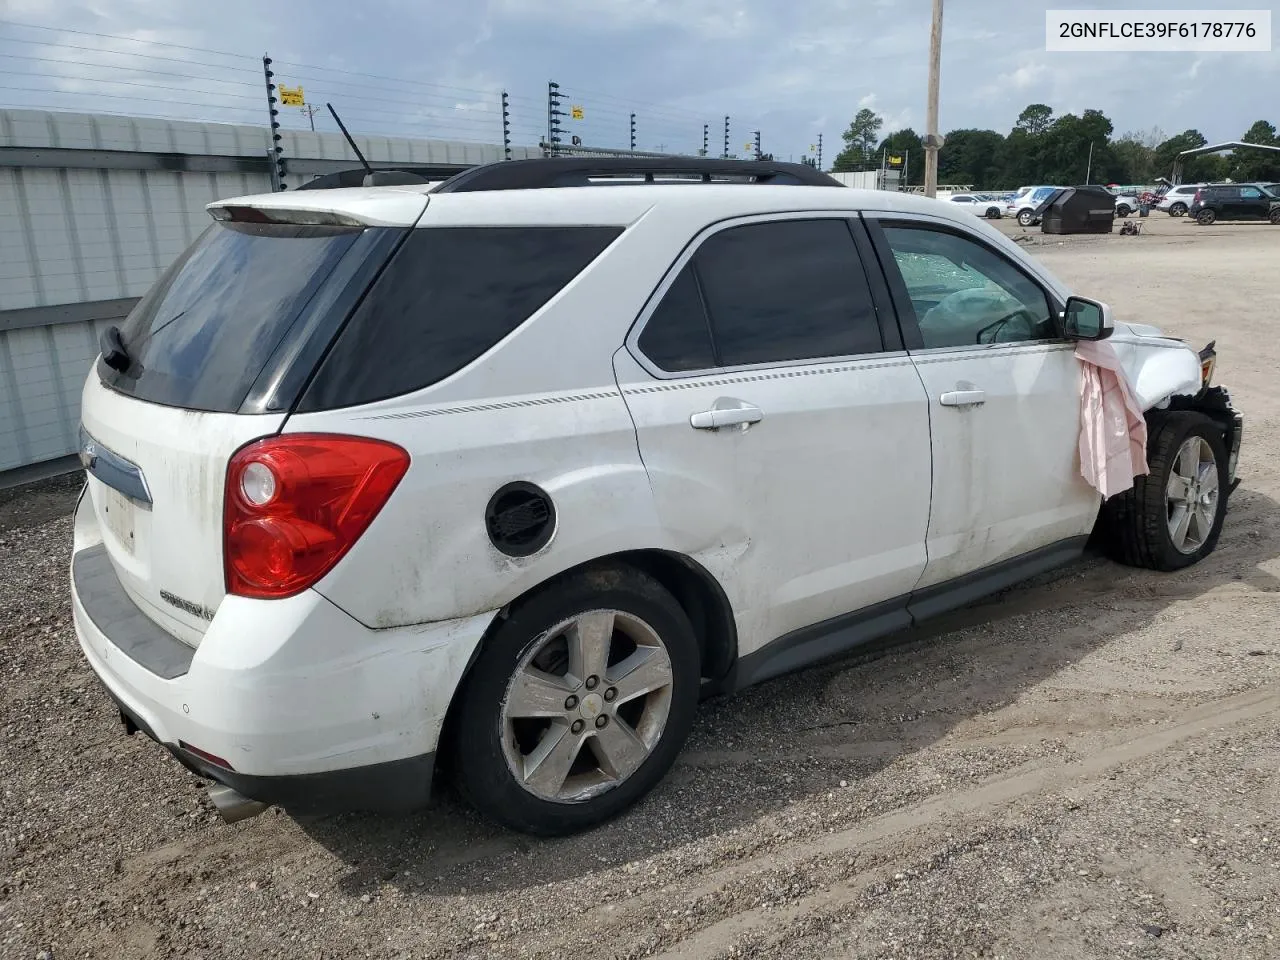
x,y
80,242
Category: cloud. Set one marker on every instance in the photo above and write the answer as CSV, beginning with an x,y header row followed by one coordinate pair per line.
x,y
790,70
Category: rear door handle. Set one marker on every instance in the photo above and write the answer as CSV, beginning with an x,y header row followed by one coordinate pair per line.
x,y
726,412
962,398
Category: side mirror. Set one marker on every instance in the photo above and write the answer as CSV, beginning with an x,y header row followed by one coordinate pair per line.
x,y
1086,320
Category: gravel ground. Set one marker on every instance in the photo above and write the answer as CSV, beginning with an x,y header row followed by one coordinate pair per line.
x,y
1083,767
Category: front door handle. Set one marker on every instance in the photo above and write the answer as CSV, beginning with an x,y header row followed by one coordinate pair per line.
x,y
962,398
726,412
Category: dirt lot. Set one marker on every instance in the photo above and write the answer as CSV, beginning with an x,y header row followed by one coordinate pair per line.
x,y
1086,767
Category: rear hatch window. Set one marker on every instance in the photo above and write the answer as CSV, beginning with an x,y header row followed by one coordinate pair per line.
x,y
202,335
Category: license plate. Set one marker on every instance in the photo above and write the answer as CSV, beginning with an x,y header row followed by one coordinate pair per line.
x,y
118,517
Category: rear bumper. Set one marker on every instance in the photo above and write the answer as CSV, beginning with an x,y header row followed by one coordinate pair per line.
x,y
395,786
308,708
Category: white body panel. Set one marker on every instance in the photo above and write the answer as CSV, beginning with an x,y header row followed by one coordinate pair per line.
x,y
281,687
426,557
1006,471
843,535
172,547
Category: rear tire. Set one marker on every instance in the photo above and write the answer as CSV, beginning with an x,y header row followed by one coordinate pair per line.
x,y
1206,217
993,213
1178,210
531,748
1144,526
1274,216
1123,211
1025,217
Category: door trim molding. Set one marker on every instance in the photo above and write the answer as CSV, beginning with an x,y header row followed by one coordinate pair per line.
x,y
831,638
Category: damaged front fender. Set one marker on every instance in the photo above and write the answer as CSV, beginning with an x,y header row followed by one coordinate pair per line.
x,y
1158,368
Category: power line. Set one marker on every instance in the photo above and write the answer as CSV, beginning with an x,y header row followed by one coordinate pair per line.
x,y
127,83
162,73
108,36
122,53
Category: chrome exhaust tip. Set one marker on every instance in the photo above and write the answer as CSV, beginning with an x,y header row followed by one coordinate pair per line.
x,y
232,806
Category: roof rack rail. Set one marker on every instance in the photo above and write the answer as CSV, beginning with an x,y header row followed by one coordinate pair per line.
x,y
385,176
581,171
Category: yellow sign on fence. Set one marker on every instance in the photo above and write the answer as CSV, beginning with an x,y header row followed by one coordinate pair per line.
x,y
577,113
895,161
292,96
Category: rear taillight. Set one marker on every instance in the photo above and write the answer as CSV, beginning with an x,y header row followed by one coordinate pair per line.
x,y
295,504
1196,198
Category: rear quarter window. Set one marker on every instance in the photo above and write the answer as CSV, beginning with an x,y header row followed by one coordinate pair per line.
x,y
448,296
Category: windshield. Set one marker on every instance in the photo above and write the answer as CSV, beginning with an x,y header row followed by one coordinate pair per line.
x,y
204,332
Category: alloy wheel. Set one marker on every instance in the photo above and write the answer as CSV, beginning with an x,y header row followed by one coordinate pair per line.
x,y
1191,495
586,705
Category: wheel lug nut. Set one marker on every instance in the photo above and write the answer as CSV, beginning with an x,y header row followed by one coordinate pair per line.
x,y
602,720
592,682
611,694
570,702
577,726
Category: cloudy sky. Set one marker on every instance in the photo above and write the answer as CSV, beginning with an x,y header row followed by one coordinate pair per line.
x,y
789,68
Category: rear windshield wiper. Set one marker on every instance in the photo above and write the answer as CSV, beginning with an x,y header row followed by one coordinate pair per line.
x,y
114,355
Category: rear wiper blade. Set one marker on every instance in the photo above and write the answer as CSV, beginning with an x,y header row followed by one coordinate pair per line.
x,y
114,355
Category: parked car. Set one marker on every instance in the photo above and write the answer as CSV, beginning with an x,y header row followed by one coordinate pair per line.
x,y
1025,204
1234,201
1176,201
1126,204
978,204
509,477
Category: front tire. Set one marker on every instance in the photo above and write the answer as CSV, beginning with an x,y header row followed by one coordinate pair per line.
x,y
1172,516
993,213
1123,211
1206,217
578,704
1274,216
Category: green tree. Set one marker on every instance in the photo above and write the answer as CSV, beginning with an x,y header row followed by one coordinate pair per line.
x,y
971,156
905,143
860,140
1035,119
1257,164
1135,154
1071,142
1193,168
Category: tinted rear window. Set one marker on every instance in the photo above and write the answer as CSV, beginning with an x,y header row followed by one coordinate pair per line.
x,y
204,332
449,295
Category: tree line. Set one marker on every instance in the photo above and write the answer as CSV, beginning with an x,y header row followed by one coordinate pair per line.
x,y
1042,148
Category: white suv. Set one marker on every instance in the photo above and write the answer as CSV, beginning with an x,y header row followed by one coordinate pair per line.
x,y
508,472
1176,201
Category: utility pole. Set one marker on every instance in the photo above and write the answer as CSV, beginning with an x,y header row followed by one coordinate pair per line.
x,y
311,112
932,141
1088,171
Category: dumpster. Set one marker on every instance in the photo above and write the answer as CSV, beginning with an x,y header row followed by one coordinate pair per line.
x,y
1078,210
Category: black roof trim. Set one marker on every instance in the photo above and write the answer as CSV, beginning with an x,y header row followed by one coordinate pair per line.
x,y
386,175
578,171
